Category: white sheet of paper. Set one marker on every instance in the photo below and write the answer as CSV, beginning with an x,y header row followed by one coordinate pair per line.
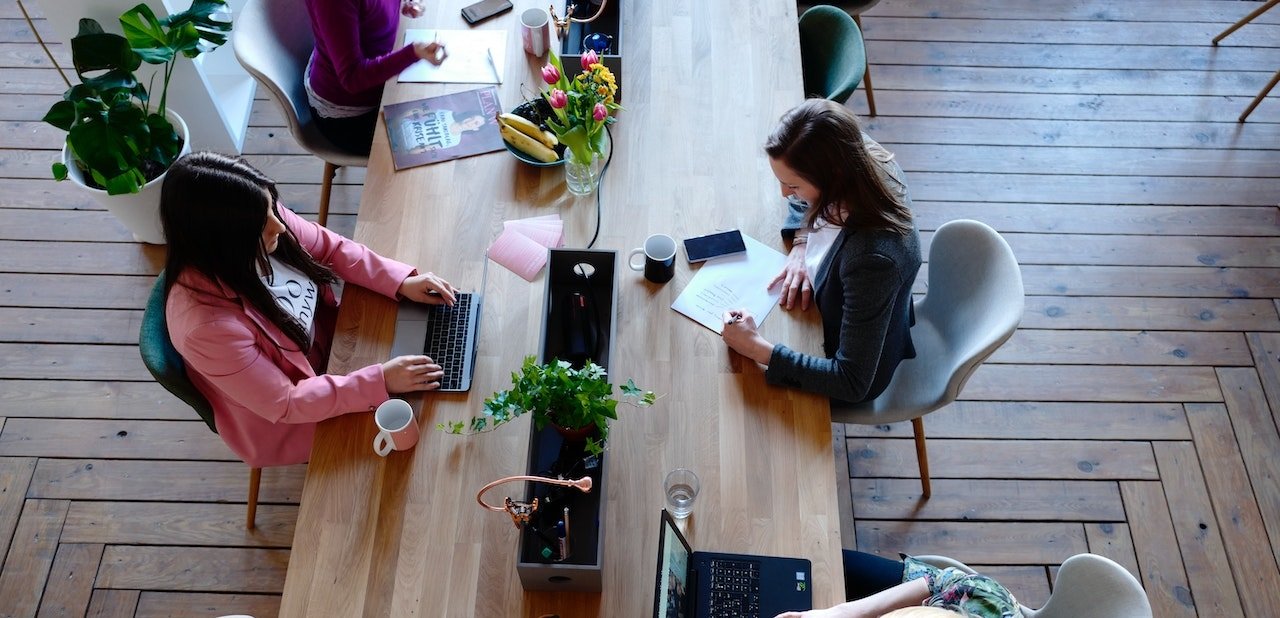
x,y
733,282
468,61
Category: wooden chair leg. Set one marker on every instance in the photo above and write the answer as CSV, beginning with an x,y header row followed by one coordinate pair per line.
x,y
326,187
922,456
866,75
1258,99
255,478
1247,18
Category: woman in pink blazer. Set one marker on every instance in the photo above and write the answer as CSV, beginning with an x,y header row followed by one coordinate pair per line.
x,y
250,307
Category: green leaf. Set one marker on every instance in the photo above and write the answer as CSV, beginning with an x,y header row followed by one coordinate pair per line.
x,y
165,141
146,36
61,115
59,171
102,51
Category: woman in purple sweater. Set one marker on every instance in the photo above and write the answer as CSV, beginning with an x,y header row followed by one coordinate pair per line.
x,y
354,57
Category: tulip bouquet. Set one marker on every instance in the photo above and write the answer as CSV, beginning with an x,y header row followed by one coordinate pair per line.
x,y
582,105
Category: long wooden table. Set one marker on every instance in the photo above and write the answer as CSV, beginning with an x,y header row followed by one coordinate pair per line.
x,y
704,83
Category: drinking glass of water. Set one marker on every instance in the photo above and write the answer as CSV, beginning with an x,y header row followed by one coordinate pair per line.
x,y
682,489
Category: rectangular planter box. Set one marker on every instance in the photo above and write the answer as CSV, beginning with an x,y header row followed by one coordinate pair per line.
x,y
549,454
609,23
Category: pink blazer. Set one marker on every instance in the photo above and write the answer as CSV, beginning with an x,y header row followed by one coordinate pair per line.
x,y
266,397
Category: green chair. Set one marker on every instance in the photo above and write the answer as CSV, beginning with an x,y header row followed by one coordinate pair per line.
x,y
168,368
832,54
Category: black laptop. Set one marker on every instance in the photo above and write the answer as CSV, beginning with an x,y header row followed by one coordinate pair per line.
x,y
699,584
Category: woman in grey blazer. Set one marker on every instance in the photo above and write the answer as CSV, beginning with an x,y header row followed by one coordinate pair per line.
x,y
855,252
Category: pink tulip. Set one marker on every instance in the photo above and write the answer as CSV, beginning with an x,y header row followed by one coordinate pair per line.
x,y
558,99
589,59
550,74
599,112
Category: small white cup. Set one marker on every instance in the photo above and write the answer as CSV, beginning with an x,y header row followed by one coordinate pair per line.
x,y
397,427
535,31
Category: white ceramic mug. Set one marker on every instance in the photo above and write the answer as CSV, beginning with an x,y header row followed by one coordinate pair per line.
x,y
535,31
397,427
659,264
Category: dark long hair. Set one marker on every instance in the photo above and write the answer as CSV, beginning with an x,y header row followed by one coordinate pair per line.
x,y
214,208
821,141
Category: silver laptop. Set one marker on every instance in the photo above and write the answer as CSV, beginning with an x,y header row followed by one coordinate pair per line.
x,y
449,335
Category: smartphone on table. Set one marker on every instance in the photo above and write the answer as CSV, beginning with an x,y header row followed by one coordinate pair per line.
x,y
700,248
480,11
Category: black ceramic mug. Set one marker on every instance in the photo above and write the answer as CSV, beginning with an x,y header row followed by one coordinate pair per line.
x,y
659,253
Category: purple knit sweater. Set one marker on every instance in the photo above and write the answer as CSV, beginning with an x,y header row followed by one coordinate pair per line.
x,y
354,57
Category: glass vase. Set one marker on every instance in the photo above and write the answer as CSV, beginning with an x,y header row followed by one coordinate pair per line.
x,y
581,177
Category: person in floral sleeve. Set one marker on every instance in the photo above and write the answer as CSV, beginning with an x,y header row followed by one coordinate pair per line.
x,y
878,586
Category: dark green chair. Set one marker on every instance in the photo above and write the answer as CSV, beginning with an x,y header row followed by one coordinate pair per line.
x,y
168,368
832,54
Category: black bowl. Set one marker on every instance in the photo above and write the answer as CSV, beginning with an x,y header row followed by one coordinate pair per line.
x,y
535,111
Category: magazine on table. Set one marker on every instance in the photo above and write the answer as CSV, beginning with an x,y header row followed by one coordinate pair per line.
x,y
442,128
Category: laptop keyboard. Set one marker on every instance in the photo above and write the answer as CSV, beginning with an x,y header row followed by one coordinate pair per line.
x,y
735,588
448,329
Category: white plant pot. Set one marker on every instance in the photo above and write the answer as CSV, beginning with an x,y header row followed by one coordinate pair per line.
x,y
140,212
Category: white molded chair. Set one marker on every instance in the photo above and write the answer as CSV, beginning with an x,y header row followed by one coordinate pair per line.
x,y
1088,586
273,41
973,304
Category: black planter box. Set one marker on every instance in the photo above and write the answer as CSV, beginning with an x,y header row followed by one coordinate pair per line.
x,y
539,563
609,23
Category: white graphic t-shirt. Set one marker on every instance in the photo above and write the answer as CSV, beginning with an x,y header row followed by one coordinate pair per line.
x,y
295,292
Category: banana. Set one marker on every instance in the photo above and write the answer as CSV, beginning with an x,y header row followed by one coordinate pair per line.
x,y
526,126
527,145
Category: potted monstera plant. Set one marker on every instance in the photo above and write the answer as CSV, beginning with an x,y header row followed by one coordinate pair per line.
x,y
579,403
120,141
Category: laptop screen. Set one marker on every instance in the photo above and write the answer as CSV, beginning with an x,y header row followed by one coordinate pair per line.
x,y
672,598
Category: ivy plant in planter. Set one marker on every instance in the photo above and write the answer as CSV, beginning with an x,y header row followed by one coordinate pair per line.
x,y
113,134
556,393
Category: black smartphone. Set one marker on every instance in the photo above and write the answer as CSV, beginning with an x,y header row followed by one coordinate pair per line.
x,y
484,9
701,248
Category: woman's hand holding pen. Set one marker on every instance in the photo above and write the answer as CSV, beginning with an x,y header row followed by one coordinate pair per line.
x,y
741,336
428,289
432,52
796,285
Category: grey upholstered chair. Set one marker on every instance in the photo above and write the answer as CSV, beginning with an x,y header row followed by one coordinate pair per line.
x,y
1087,586
973,304
273,41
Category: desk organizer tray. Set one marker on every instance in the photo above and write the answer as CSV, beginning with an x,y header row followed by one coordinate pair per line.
x,y
591,275
609,23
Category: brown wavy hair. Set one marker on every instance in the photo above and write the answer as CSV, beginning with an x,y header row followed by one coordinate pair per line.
x,y
214,208
821,141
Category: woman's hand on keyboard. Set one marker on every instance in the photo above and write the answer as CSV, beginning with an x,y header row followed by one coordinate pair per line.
x,y
428,289
405,374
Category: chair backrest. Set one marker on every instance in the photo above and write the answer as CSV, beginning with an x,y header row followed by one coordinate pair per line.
x,y
273,42
973,304
1091,586
1087,586
832,54
163,360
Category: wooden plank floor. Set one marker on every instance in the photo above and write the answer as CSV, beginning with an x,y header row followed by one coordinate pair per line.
x,y
1133,415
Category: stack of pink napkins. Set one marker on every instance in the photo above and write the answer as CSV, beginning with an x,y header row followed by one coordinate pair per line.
x,y
522,245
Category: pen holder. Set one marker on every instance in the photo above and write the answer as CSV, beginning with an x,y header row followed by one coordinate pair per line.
x,y
581,286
